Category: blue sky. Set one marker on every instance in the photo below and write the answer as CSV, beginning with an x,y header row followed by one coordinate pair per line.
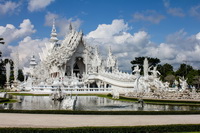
x,y
167,29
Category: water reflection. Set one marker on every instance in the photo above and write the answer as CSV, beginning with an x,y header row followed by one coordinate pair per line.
x,y
89,103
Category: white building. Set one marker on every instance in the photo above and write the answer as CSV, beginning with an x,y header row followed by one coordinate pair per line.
x,y
74,65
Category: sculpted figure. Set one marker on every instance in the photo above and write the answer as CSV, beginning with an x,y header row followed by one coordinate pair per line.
x,y
137,71
155,72
183,83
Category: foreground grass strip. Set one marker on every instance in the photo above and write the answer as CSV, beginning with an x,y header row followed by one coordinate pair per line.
x,y
154,101
2,100
135,129
162,101
101,112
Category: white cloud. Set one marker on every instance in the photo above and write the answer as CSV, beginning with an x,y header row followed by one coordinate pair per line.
x,y
198,36
62,23
173,11
27,47
195,11
37,5
107,31
180,48
9,7
11,33
148,15
125,46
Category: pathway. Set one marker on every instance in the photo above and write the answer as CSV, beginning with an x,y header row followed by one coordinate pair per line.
x,y
59,121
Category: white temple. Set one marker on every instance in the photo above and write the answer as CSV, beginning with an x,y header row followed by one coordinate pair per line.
x,y
75,67
74,64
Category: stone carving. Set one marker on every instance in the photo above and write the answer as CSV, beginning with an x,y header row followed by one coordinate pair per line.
x,y
183,84
8,76
136,71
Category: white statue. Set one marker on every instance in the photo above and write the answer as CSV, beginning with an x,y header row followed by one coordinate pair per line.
x,y
166,84
137,71
8,76
183,83
155,72
176,84
146,67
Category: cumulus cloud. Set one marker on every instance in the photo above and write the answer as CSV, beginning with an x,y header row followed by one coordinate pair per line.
x,y
37,5
11,33
62,23
27,47
126,46
9,7
106,31
148,15
178,48
195,11
174,11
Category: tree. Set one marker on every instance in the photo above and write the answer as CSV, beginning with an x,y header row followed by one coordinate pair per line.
x,y
20,75
183,70
139,61
196,81
170,78
191,76
3,71
165,70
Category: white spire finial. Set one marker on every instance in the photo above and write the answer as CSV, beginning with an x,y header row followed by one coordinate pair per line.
x,y
53,38
70,27
109,50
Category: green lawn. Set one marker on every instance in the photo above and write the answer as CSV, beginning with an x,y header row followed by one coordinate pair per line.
x,y
194,128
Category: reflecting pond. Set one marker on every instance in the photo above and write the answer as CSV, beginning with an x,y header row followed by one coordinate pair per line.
x,y
89,103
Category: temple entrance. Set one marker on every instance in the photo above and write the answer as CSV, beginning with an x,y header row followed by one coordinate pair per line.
x,y
79,66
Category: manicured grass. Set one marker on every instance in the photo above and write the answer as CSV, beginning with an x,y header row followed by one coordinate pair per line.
x,y
2,100
154,101
122,129
163,101
6,100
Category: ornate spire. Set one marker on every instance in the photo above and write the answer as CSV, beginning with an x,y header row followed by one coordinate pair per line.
x,y
33,61
111,62
109,51
70,27
53,38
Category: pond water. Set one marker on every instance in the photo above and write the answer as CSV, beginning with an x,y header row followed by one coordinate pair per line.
x,y
89,103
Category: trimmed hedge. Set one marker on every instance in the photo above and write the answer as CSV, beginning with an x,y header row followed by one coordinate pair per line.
x,y
101,112
163,101
134,129
155,101
2,100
